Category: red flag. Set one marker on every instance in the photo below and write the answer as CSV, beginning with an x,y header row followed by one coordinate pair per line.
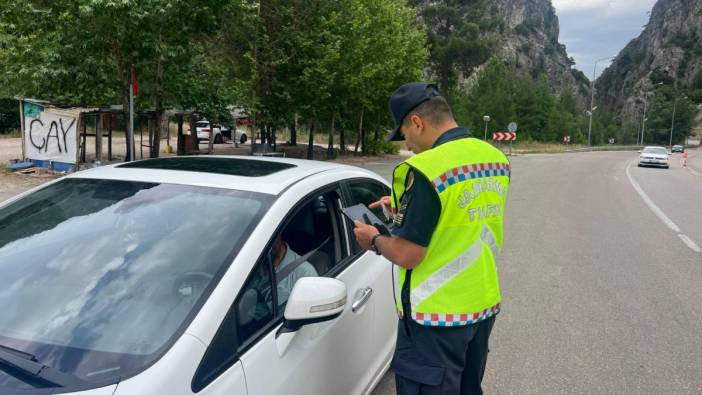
x,y
135,85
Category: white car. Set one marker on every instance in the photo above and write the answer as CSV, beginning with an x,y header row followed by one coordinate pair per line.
x,y
157,277
239,135
654,156
203,132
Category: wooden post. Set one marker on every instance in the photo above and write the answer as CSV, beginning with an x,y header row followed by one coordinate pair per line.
x,y
156,139
141,138
109,136
130,145
167,121
85,138
81,118
24,152
98,136
180,139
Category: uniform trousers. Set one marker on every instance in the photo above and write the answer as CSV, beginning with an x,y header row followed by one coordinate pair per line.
x,y
440,360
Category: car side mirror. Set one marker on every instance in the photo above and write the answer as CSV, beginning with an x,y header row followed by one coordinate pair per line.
x,y
312,300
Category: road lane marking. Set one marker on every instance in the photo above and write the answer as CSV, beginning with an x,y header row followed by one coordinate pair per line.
x,y
689,242
656,210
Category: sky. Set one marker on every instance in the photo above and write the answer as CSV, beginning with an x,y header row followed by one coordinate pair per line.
x,y
596,29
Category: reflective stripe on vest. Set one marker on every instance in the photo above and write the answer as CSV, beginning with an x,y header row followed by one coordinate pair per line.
x,y
447,272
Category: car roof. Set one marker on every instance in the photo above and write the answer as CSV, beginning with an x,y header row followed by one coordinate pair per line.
x,y
193,170
654,146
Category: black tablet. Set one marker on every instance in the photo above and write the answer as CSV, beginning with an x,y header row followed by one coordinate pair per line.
x,y
361,213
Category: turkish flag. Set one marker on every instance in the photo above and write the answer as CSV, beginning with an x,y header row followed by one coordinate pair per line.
x,y
135,85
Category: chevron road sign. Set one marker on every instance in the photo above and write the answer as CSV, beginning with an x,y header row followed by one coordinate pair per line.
x,y
504,136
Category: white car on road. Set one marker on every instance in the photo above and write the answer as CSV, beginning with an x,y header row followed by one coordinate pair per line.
x,y
654,156
158,277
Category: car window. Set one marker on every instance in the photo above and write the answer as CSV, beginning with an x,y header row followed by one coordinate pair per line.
x,y
367,192
308,244
660,151
314,227
253,310
82,260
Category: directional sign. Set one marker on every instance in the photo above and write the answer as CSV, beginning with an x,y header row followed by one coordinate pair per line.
x,y
504,136
611,141
566,139
512,127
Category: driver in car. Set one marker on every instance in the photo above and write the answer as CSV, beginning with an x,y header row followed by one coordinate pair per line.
x,y
283,256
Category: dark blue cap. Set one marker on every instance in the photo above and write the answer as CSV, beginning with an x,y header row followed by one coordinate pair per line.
x,y
405,99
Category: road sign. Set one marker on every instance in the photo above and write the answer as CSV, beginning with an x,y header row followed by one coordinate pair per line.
x,y
611,141
566,139
512,127
504,136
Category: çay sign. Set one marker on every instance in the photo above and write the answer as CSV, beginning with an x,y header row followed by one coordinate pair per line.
x,y
50,136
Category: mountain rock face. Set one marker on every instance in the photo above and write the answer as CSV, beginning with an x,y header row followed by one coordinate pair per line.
x,y
528,40
668,51
525,36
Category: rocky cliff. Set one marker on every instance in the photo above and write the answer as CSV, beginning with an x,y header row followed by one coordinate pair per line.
x,y
522,33
668,51
528,40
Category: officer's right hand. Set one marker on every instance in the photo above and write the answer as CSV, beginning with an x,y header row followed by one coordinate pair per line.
x,y
384,202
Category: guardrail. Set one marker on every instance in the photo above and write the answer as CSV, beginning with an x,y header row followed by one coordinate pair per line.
x,y
606,148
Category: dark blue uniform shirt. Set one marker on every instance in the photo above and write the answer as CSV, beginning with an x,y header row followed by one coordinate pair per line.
x,y
420,207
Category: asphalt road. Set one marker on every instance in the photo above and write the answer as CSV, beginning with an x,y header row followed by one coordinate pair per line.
x,y
601,278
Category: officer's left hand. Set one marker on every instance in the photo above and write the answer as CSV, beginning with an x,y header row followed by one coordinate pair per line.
x,y
364,233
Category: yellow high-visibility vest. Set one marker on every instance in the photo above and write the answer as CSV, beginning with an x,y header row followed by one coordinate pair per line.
x,y
456,283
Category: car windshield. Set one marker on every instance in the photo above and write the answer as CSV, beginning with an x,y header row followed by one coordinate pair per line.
x,y
99,277
655,150
202,124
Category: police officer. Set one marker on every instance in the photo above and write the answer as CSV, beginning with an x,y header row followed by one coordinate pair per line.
x,y
448,204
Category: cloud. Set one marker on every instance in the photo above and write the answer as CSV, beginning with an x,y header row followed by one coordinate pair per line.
x,y
594,29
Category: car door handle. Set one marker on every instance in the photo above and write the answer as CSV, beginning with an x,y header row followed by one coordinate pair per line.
x,y
362,297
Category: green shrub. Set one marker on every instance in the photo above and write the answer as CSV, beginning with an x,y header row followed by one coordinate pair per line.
x,y
380,146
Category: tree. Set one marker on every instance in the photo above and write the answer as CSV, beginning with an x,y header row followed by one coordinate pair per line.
x,y
83,52
9,115
660,116
492,95
455,41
